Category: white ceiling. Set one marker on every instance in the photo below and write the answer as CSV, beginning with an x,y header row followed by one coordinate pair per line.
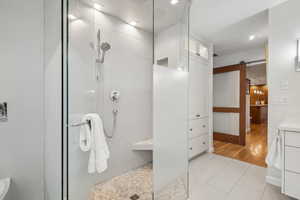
x,y
141,11
209,16
235,37
228,24
211,19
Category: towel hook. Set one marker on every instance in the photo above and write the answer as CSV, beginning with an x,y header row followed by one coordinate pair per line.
x,y
87,122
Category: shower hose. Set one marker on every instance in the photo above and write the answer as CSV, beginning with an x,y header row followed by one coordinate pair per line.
x,y
111,135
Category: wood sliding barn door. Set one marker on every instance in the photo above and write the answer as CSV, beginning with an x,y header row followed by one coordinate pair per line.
x,y
230,103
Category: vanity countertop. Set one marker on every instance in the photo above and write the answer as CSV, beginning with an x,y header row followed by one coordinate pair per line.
x,y
291,124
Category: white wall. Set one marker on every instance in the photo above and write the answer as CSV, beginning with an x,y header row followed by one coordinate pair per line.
x,y
236,58
22,86
127,68
53,87
284,29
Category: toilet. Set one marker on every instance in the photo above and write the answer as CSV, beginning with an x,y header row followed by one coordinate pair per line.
x,y
4,186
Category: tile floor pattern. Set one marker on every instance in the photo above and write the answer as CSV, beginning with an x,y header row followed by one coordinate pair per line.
x,y
137,185
134,185
214,177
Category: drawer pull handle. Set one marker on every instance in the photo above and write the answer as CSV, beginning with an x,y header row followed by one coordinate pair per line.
x,y
191,148
198,115
203,126
204,142
191,129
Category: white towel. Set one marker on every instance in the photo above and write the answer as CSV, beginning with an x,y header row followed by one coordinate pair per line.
x,y
92,139
274,155
85,136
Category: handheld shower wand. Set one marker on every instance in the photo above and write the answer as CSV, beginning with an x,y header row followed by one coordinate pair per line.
x,y
101,49
98,45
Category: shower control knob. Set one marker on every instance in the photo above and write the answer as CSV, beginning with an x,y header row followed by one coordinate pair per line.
x,y
115,96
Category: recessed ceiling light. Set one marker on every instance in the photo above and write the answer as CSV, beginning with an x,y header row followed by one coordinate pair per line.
x,y
133,23
251,37
72,17
174,2
98,6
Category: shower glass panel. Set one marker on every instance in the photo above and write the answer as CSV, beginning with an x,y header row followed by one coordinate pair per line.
x,y
170,100
110,56
115,148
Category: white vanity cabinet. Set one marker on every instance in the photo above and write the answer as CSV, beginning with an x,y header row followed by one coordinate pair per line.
x,y
291,158
198,106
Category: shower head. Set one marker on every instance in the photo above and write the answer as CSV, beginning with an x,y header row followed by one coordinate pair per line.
x,y
104,47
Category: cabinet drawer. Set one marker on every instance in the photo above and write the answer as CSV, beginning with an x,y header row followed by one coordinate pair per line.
x,y
292,155
292,139
198,127
198,145
291,184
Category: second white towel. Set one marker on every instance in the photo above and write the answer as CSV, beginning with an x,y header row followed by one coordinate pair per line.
x,y
273,158
92,139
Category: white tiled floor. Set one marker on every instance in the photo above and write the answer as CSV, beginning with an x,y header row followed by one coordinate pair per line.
x,y
214,177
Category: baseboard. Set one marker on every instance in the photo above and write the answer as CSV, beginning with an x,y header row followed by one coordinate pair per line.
x,y
226,138
273,181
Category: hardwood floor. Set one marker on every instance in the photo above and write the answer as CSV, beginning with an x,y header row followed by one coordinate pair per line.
x,y
255,150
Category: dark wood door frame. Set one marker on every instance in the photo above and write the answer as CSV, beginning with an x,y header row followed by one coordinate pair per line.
x,y
226,137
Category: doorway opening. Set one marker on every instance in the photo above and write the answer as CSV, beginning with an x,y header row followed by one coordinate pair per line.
x,y
240,91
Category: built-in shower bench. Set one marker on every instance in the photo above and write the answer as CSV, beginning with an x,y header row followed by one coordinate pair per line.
x,y
145,145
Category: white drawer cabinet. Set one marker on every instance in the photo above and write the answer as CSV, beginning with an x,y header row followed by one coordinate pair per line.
x,y
292,139
200,76
291,158
292,183
198,127
198,145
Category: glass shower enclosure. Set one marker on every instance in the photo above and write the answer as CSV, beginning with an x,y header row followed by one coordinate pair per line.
x,y
126,85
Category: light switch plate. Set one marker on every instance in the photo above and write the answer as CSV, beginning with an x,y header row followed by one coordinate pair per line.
x,y
284,85
284,100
